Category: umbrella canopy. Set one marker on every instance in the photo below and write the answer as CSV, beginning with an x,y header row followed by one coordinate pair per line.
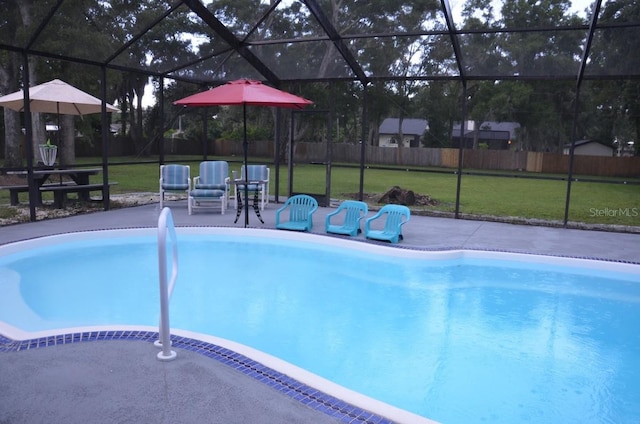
x,y
246,93
55,96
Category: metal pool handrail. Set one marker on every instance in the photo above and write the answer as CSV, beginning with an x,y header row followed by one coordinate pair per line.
x,y
165,226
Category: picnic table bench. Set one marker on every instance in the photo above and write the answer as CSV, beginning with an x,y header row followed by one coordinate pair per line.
x,y
79,184
59,191
14,190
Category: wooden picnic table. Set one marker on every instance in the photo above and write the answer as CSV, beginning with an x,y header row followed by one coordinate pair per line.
x,y
61,182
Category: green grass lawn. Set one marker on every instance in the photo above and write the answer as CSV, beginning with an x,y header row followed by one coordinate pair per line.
x,y
538,199
592,203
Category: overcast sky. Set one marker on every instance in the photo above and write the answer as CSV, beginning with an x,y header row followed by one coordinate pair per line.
x,y
577,6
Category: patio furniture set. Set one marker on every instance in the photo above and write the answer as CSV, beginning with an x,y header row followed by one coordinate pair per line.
x,y
212,190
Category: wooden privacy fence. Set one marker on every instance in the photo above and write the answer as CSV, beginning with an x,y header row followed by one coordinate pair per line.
x,y
499,160
590,165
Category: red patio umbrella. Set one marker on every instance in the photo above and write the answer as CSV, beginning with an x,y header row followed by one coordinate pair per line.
x,y
244,92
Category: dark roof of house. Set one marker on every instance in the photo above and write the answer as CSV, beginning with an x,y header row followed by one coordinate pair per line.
x,y
410,126
585,142
491,130
492,135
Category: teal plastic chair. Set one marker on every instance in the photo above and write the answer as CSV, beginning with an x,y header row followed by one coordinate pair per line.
x,y
354,211
174,177
301,208
395,217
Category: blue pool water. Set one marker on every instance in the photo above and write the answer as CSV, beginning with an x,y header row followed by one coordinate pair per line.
x,y
457,340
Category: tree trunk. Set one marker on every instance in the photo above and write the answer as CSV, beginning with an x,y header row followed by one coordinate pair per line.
x,y
66,148
139,84
39,134
9,82
283,137
13,139
38,128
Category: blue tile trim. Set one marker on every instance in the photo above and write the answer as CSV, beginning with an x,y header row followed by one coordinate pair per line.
x,y
286,385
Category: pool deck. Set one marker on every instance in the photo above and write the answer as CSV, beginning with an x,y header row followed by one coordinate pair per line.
x,y
421,232
118,379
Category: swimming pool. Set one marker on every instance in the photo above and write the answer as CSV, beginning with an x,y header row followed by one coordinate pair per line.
x,y
453,336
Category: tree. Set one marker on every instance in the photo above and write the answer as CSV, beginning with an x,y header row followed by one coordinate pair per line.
x,y
22,19
12,129
439,101
17,17
617,103
543,108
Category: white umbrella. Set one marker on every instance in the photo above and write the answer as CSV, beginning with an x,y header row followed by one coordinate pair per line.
x,y
58,97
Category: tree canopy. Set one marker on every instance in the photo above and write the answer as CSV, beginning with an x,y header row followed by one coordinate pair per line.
x,y
519,61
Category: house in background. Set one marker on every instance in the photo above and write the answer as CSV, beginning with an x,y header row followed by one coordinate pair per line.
x,y
496,135
624,149
589,148
412,132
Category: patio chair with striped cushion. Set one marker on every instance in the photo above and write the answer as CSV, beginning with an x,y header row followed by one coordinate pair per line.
x,y
174,178
214,175
258,177
211,187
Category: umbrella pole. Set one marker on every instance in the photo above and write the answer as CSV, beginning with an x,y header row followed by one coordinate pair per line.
x,y
58,116
245,147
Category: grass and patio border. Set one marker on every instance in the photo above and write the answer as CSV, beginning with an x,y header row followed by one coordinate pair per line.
x,y
606,203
